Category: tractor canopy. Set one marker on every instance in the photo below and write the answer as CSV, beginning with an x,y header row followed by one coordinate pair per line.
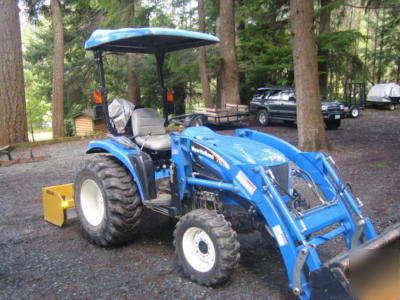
x,y
147,40
154,40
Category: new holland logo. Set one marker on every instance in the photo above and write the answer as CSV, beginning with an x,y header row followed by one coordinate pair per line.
x,y
202,150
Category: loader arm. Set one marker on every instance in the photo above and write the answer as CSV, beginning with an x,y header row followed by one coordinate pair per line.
x,y
248,179
331,279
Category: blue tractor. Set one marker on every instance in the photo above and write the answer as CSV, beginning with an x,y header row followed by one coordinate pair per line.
x,y
196,174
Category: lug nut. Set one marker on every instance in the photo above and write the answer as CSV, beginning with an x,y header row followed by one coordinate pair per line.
x,y
297,291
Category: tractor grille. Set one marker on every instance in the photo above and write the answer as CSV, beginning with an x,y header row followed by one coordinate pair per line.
x,y
281,174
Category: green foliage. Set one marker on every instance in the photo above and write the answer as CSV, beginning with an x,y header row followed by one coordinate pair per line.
x,y
69,127
80,73
38,110
340,45
335,4
263,48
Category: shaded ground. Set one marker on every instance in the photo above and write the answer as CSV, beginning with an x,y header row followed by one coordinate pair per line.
x,y
40,260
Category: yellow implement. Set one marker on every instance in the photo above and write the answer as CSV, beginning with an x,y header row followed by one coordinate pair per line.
x,y
56,200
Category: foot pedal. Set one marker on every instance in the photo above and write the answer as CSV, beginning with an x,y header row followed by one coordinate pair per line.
x,y
161,200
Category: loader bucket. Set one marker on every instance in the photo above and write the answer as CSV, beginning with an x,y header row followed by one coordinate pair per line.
x,y
56,201
369,272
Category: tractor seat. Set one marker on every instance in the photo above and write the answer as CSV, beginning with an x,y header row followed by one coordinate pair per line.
x,y
148,130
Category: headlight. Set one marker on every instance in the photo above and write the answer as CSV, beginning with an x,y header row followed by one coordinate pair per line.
x,y
341,106
324,107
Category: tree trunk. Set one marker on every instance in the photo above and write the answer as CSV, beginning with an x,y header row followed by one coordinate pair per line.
x,y
311,129
323,65
366,43
380,56
13,126
133,78
205,86
398,70
179,99
375,49
229,76
133,81
58,70
32,133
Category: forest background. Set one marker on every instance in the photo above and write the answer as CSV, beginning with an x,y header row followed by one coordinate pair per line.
x,y
357,41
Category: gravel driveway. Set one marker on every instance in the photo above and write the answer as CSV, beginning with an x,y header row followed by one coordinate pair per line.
x,y
43,261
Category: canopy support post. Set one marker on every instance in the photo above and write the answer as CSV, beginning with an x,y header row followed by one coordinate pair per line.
x,y
98,57
160,62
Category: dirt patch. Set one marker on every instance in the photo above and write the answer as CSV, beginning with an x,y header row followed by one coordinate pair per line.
x,y
40,260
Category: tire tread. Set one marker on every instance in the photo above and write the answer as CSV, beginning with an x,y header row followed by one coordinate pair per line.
x,y
121,196
226,242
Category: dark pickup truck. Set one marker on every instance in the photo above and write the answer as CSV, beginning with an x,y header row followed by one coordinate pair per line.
x,y
279,103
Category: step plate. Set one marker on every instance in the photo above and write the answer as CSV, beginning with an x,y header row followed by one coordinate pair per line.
x,y
161,200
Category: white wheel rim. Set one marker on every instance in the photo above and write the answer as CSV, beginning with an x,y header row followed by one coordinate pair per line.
x,y
263,118
198,249
92,202
354,112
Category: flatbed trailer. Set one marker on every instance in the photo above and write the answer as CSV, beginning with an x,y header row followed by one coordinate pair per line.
x,y
232,113
355,99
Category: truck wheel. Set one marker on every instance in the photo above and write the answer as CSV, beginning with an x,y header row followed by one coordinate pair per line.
x,y
355,112
206,246
392,107
263,117
332,124
107,201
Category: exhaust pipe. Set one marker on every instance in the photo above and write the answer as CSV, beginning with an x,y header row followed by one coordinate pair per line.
x,y
370,271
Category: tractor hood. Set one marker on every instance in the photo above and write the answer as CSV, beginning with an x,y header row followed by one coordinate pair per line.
x,y
234,149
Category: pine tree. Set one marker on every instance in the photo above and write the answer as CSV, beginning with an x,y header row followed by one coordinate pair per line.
x,y
228,75
206,92
311,131
58,69
13,127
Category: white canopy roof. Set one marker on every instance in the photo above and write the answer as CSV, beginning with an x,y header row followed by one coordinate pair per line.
x,y
383,90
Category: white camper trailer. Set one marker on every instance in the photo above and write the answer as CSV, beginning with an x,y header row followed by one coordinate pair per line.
x,y
385,94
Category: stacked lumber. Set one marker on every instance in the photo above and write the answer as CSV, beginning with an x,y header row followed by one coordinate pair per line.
x,y
231,112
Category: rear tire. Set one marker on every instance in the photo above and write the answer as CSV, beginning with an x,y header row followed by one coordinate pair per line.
x,y
107,201
263,117
355,112
392,107
206,246
332,124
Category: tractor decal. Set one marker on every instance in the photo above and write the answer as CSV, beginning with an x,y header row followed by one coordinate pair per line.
x,y
246,182
202,150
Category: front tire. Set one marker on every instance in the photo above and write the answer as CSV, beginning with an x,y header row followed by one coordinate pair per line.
x,y
332,124
206,246
263,117
107,201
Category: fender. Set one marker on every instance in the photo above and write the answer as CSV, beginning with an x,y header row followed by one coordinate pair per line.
x,y
121,153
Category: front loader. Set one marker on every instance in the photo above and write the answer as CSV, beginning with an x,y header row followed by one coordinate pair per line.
x,y
196,175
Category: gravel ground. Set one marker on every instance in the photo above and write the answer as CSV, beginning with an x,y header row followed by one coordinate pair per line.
x,y
42,261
